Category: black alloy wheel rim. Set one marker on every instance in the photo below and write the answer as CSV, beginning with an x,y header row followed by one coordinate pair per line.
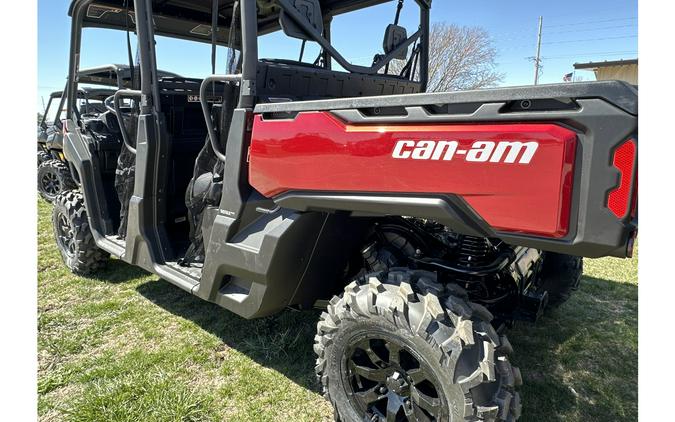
x,y
388,382
51,183
65,236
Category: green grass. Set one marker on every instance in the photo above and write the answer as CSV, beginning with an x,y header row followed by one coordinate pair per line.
x,y
126,346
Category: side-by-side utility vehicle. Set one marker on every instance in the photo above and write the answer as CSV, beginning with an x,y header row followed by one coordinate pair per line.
x,y
423,224
54,174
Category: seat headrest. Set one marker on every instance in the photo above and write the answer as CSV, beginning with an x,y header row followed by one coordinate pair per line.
x,y
310,11
394,36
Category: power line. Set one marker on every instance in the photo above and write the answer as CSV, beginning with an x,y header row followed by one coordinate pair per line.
x,y
587,12
529,35
599,53
568,56
594,29
586,55
591,39
592,22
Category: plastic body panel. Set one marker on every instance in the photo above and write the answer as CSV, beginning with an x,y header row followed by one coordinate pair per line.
x,y
316,151
602,115
276,79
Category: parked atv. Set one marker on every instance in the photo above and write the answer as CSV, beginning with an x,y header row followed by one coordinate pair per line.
x,y
423,224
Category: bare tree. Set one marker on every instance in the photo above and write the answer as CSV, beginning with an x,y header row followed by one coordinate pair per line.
x,y
460,57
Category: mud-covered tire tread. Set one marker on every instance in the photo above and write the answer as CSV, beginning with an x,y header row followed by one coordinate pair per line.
x,y
61,171
560,276
43,156
450,323
88,257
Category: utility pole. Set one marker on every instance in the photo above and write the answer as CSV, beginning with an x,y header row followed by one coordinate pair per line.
x,y
537,59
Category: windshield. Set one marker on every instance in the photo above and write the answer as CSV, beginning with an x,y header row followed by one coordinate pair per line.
x,y
52,110
90,106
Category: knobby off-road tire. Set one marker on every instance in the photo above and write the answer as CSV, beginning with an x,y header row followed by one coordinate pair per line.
x,y
560,276
42,156
53,178
398,345
73,236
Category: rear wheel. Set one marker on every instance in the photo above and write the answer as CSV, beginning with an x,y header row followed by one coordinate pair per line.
x,y
560,276
73,236
398,346
53,178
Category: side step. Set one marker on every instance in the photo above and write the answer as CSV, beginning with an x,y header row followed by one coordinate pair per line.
x,y
187,278
111,244
194,271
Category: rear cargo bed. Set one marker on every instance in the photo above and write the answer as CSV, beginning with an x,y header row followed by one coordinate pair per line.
x,y
577,195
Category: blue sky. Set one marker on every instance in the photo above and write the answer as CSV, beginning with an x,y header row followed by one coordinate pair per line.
x,y
573,31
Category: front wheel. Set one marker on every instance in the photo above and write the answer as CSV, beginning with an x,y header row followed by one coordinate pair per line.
x,y
73,235
398,346
53,178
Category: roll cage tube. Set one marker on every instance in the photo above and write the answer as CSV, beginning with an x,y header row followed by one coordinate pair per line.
x,y
249,43
59,110
205,108
149,88
421,34
127,93
74,59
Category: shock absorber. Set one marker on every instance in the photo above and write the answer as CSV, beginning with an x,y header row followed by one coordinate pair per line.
x,y
475,252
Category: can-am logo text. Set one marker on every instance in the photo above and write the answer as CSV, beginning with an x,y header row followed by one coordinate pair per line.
x,y
480,151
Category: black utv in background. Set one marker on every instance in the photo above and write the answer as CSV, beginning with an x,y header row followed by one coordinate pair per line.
x,y
54,174
422,224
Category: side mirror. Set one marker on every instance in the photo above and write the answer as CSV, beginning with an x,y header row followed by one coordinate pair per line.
x,y
393,37
309,12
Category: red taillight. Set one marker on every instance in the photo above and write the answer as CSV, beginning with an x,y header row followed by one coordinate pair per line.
x,y
624,160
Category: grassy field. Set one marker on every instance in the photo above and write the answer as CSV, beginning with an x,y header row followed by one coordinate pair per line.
x,y
126,346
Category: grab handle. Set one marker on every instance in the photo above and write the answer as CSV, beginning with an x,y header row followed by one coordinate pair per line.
x,y
126,93
205,108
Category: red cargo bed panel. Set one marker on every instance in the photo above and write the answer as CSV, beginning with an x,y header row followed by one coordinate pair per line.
x,y
517,177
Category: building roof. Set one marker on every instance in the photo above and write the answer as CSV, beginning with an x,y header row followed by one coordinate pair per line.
x,y
595,65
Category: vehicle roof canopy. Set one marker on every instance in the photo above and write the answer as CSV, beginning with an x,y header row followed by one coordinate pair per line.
x,y
108,75
191,19
88,92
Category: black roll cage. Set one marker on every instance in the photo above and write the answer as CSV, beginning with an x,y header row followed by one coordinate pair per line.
x,y
144,23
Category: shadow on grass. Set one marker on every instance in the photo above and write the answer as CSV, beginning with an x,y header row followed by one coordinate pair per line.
x,y
579,361
117,271
283,342
574,362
